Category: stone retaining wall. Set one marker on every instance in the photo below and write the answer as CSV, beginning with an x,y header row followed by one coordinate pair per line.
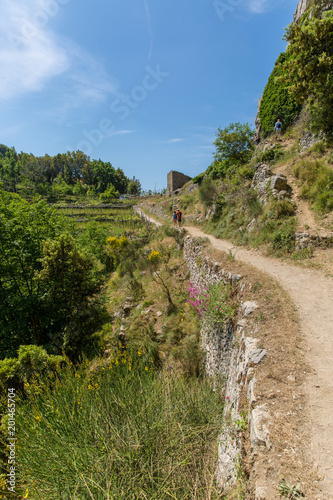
x,y
231,355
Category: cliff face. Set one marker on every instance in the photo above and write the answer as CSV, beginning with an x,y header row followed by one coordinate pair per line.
x,y
300,10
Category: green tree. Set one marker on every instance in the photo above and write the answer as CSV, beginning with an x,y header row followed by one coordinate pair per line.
x,y
234,146
10,170
70,279
46,284
110,193
134,187
24,318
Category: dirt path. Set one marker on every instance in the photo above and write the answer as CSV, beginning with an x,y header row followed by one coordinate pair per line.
x,y
312,294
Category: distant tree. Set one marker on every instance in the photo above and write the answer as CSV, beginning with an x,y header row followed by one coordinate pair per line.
x,y
134,187
10,170
109,194
3,149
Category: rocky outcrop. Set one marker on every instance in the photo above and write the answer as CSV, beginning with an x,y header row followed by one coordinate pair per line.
x,y
300,10
265,183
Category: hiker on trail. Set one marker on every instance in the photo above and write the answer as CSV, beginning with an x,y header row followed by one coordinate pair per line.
x,y
174,218
278,128
179,217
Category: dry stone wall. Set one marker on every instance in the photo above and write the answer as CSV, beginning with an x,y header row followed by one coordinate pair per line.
x,y
231,355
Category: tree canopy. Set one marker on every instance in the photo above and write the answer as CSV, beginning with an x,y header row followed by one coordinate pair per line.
x,y
234,146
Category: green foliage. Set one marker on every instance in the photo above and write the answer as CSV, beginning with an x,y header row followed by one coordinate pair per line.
x,y
208,192
61,175
234,143
32,362
134,187
271,155
93,240
234,147
309,67
317,183
199,178
69,277
276,100
283,238
113,422
10,170
109,194
287,491
46,282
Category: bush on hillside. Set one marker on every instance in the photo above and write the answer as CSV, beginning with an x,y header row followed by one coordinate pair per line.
x,y
276,101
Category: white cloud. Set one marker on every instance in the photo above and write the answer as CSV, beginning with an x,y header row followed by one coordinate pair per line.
x,y
172,141
121,132
29,55
259,6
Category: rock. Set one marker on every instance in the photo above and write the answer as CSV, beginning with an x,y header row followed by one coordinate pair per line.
x,y
251,225
261,493
257,356
159,314
250,392
248,307
300,10
264,182
279,182
259,434
291,378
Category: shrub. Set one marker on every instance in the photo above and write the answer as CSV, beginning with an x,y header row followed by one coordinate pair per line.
x,y
208,192
283,238
199,178
271,155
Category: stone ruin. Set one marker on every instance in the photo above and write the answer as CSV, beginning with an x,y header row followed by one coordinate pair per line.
x,y
176,180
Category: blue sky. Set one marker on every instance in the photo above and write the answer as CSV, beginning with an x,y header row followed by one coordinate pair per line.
x,y
144,84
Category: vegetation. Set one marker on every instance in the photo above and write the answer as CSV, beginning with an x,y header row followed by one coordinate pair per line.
x,y
69,174
99,434
309,66
276,101
234,146
317,183
47,281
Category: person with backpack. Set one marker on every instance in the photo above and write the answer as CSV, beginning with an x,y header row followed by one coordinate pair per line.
x,y
179,217
278,128
174,218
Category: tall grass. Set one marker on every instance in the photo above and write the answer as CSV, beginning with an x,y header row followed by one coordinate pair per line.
x,y
123,431
317,183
